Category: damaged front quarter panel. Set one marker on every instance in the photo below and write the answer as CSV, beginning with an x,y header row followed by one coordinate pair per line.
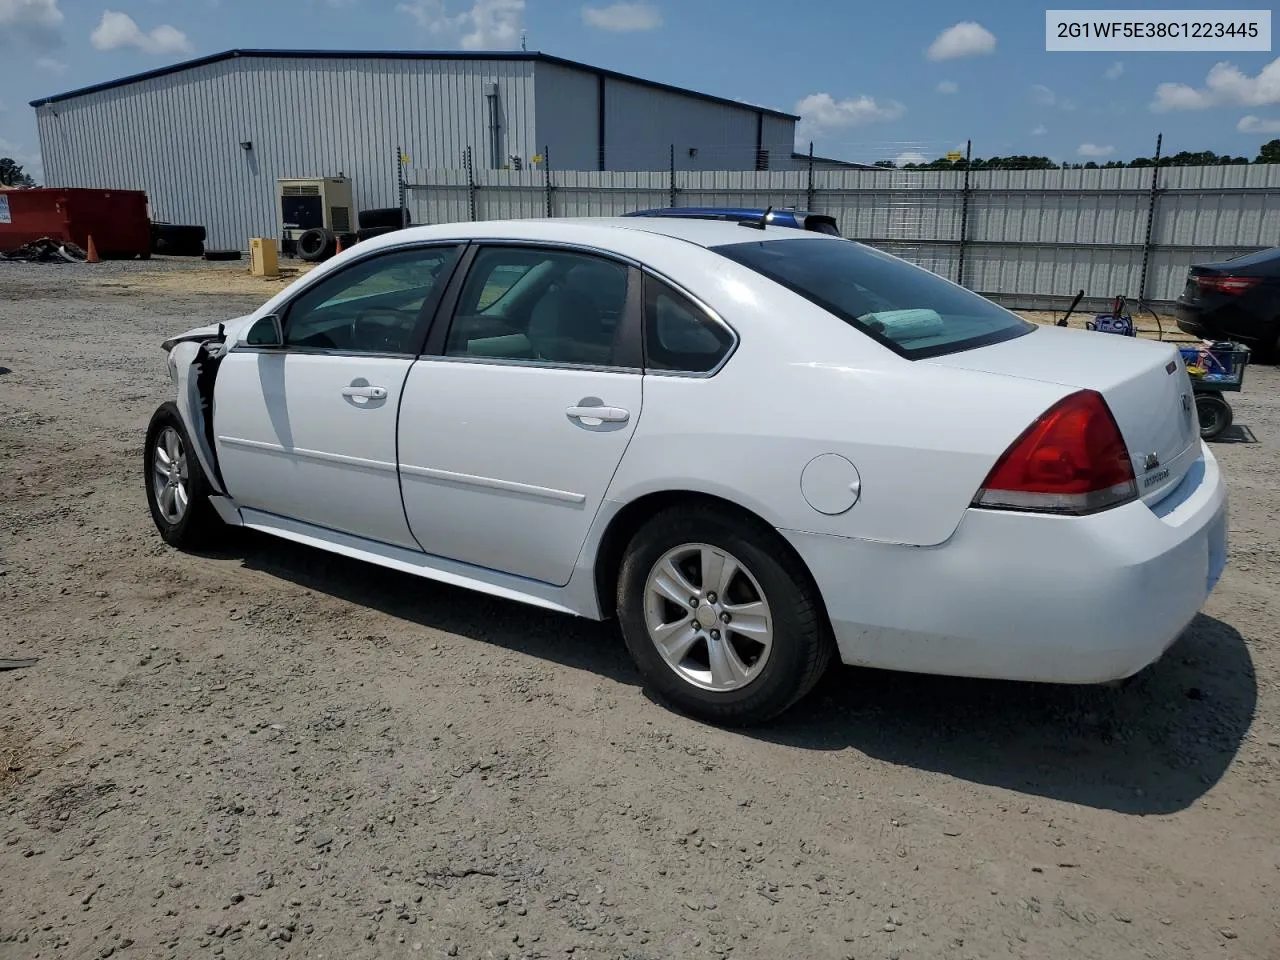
x,y
193,359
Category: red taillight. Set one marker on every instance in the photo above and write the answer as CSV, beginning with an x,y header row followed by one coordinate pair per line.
x,y
1071,460
1227,285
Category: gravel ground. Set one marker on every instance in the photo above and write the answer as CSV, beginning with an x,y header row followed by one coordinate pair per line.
x,y
271,750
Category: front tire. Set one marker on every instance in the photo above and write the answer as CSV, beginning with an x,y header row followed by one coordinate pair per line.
x,y
720,617
177,489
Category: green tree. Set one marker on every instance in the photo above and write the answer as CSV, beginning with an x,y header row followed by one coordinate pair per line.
x,y
1269,152
12,174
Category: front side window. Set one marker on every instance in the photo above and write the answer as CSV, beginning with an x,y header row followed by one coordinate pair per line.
x,y
914,312
548,305
375,306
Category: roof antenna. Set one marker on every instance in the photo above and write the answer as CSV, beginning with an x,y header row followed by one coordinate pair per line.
x,y
758,224
524,45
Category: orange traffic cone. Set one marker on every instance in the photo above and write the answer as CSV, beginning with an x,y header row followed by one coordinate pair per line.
x,y
338,247
93,252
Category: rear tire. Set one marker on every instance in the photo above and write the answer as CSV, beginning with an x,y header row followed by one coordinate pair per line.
x,y
758,639
1214,414
177,489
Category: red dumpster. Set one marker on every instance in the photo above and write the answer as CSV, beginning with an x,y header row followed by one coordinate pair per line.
x,y
117,219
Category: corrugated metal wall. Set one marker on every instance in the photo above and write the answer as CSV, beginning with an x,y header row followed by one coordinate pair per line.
x,y
568,116
1033,237
643,125
178,136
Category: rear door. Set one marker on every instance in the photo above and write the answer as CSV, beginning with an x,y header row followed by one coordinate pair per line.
x,y
513,424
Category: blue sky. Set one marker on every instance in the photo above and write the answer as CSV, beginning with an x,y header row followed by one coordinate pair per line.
x,y
873,80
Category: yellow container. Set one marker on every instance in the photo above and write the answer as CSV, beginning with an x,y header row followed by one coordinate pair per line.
x,y
262,257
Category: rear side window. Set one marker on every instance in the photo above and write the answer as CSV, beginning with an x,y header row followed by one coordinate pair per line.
x,y
914,312
678,334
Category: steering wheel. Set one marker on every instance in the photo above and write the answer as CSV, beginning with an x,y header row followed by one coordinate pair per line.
x,y
391,341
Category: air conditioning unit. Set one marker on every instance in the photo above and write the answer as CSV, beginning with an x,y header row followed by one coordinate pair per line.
x,y
309,202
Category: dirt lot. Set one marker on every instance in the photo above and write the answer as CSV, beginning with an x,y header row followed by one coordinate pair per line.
x,y
270,750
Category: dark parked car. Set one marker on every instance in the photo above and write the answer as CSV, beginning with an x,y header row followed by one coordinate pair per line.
x,y
800,219
1236,299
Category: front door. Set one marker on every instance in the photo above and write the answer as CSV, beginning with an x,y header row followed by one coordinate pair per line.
x,y
511,432
306,429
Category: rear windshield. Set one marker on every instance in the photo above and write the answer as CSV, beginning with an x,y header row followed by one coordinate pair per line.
x,y
913,312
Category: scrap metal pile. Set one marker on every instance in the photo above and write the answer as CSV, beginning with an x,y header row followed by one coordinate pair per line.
x,y
47,250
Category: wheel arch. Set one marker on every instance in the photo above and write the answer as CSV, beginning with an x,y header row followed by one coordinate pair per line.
x,y
627,522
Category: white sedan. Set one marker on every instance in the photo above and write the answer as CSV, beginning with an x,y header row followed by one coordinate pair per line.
x,y
755,448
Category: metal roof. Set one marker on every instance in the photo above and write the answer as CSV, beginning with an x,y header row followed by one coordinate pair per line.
x,y
851,164
531,56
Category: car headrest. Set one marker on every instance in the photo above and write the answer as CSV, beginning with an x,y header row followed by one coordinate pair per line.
x,y
566,326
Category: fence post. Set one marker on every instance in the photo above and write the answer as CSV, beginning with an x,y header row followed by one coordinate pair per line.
x,y
400,192
673,176
471,186
546,166
1151,216
964,211
808,194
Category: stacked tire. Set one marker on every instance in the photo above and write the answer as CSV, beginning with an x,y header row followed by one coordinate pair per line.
x,y
365,233
317,244
177,240
384,217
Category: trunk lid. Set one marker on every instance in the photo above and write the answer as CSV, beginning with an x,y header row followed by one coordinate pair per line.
x,y
1145,384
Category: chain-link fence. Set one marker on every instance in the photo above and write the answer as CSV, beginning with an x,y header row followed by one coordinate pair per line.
x,y
1029,238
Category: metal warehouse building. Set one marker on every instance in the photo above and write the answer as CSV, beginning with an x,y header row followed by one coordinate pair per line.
x,y
208,139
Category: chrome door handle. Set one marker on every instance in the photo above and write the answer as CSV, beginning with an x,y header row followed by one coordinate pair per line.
x,y
372,393
604,414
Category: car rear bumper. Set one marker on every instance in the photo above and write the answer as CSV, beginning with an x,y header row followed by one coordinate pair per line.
x,y
1030,597
1225,321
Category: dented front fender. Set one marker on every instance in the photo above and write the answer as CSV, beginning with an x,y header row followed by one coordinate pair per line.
x,y
186,358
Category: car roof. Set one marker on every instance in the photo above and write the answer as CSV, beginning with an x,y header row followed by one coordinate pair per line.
x,y
704,233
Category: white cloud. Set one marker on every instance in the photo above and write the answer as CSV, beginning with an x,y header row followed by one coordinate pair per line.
x,y
965,39
1114,71
51,65
488,25
117,30
36,23
1252,124
1093,150
623,17
948,86
1224,85
1042,96
821,112
1040,131
910,156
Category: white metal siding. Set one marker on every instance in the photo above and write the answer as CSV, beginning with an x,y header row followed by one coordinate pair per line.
x,y
568,114
178,136
779,140
1033,237
641,124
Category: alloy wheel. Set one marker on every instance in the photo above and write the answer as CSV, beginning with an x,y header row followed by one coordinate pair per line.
x,y
708,617
170,478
